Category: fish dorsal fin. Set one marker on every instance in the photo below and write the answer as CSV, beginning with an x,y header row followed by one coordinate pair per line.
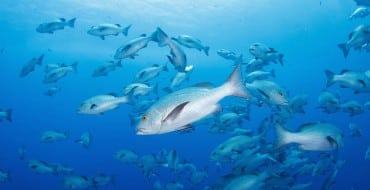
x,y
204,85
307,125
62,19
118,25
155,65
344,71
175,112
332,142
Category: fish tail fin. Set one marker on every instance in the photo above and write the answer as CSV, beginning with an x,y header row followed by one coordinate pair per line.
x,y
206,50
235,84
39,60
281,57
160,37
74,66
239,60
282,136
9,115
125,99
71,23
330,78
125,30
344,49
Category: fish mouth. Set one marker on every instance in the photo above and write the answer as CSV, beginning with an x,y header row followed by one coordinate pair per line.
x,y
141,131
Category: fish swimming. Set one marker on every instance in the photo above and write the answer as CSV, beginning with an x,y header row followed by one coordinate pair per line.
x,y
4,176
130,49
84,140
265,53
53,136
191,42
176,111
149,73
178,57
311,136
229,55
106,68
7,114
360,12
41,167
52,91
179,78
59,24
357,81
328,102
357,38
77,182
139,89
101,103
103,30
268,91
58,73
30,66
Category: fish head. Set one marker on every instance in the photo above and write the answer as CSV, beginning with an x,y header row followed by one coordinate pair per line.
x,y
149,124
88,108
278,97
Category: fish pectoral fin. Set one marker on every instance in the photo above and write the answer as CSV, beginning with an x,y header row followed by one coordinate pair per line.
x,y
362,83
263,93
332,142
175,112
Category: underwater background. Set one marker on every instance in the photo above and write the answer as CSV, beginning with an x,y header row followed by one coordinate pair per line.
x,y
306,32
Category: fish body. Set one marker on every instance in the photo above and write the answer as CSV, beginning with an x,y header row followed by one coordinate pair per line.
x,y
4,176
181,108
259,75
149,73
103,180
73,182
328,102
139,89
265,53
268,91
30,66
53,136
191,42
230,55
357,38
179,78
312,137
101,103
103,30
130,49
6,114
352,107
59,24
360,12
41,167
84,140
52,91
126,156
106,68
59,73
358,81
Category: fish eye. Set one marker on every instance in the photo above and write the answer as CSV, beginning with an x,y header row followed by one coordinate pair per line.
x,y
144,117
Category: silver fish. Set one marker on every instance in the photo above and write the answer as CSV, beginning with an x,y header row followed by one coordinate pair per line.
x,y
106,68
268,91
265,53
59,73
84,140
229,55
149,73
181,108
59,24
360,12
53,136
357,81
103,30
30,66
357,38
191,42
77,182
130,49
101,103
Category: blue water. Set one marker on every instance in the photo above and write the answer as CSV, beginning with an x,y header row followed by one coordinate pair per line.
x,y
306,32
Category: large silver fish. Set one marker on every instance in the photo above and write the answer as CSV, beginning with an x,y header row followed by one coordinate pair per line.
x,y
59,24
103,30
178,110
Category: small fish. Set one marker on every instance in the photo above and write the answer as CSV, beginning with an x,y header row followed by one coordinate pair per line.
x,y
191,42
149,73
4,176
126,156
357,81
255,65
59,73
61,168
352,107
103,180
367,153
41,167
30,66
265,53
6,114
259,75
328,102
103,30
101,103
360,12
106,68
84,140
51,66
357,38
229,55
52,91
73,182
268,91
179,78
139,89
311,136
178,110
178,57
130,49
59,24
53,136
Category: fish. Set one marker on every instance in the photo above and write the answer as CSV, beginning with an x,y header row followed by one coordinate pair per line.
x,y
357,38
179,78
354,130
149,73
230,55
41,167
6,114
58,73
177,57
259,75
311,137
103,30
130,48
360,12
52,136
4,176
106,68
268,91
363,2
51,66
177,110
328,102
358,81
139,89
127,156
265,53
52,91
255,65
77,182
352,107
84,140
61,168
59,24
99,104
30,65
191,42
103,180
22,152
367,153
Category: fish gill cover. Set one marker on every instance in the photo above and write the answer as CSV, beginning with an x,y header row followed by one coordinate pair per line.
x,y
159,94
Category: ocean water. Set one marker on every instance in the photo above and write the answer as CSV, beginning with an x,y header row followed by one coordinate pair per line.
x,y
306,32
